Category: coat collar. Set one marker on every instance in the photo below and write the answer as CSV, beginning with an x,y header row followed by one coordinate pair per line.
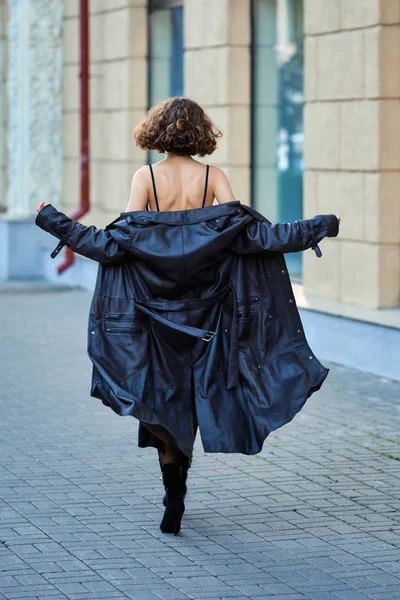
x,y
180,217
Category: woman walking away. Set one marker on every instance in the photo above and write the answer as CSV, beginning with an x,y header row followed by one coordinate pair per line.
x,y
193,323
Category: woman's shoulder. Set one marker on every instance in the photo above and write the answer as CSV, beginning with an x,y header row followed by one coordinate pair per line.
x,y
217,174
141,173
214,171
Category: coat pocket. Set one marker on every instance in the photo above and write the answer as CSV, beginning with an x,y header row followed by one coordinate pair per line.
x,y
256,328
119,326
120,345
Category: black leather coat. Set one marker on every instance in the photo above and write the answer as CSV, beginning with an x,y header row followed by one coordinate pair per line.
x,y
193,313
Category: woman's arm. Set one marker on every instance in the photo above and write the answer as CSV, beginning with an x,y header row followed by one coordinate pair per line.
x,y
222,189
97,244
262,236
139,195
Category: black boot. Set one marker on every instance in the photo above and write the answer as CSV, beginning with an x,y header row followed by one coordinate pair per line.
x,y
185,463
174,479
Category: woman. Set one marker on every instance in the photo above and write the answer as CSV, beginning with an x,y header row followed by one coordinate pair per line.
x,y
176,188
179,128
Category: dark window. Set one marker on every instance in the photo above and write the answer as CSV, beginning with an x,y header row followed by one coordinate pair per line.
x,y
277,112
165,50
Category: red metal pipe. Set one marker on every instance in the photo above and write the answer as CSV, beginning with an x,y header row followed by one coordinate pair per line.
x,y
84,205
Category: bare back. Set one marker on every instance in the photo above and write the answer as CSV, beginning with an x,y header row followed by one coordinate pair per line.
x,y
180,183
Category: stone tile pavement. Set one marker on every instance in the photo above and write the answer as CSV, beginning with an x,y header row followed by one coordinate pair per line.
x,y
314,516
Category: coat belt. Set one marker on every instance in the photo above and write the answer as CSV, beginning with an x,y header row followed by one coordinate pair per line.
x,y
150,306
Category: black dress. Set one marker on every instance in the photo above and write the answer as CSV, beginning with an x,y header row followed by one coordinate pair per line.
x,y
154,436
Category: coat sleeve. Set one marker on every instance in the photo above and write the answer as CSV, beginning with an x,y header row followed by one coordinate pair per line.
x,y
97,244
262,235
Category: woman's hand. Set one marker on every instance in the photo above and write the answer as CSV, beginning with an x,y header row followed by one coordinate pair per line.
x,y
40,206
338,218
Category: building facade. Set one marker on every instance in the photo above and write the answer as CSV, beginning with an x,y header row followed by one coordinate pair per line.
x,y
306,92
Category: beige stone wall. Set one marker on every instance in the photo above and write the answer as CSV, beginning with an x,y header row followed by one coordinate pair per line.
x,y
352,147
217,75
352,122
117,100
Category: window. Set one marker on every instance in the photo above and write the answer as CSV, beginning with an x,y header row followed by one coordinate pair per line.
x,y
165,50
277,112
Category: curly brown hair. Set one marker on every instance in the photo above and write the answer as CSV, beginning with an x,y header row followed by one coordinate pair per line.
x,y
179,126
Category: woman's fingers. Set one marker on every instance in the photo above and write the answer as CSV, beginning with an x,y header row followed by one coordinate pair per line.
x,y
40,206
338,218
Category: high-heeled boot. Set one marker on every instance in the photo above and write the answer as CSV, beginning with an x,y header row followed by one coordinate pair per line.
x,y
185,464
174,479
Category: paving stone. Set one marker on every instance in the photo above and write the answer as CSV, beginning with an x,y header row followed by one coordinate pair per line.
x,y
170,594
350,594
28,592
277,588
99,586
384,578
319,595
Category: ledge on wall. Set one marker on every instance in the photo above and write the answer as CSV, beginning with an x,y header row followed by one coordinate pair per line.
x,y
81,273
25,257
388,317
362,338
19,249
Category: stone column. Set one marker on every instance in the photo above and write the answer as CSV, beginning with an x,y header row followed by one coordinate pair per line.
x,y
34,105
217,76
33,169
352,147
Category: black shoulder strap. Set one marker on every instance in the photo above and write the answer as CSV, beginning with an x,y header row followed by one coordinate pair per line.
x,y
154,187
206,185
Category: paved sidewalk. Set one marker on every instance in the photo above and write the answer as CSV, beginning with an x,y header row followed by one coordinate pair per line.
x,y
314,516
